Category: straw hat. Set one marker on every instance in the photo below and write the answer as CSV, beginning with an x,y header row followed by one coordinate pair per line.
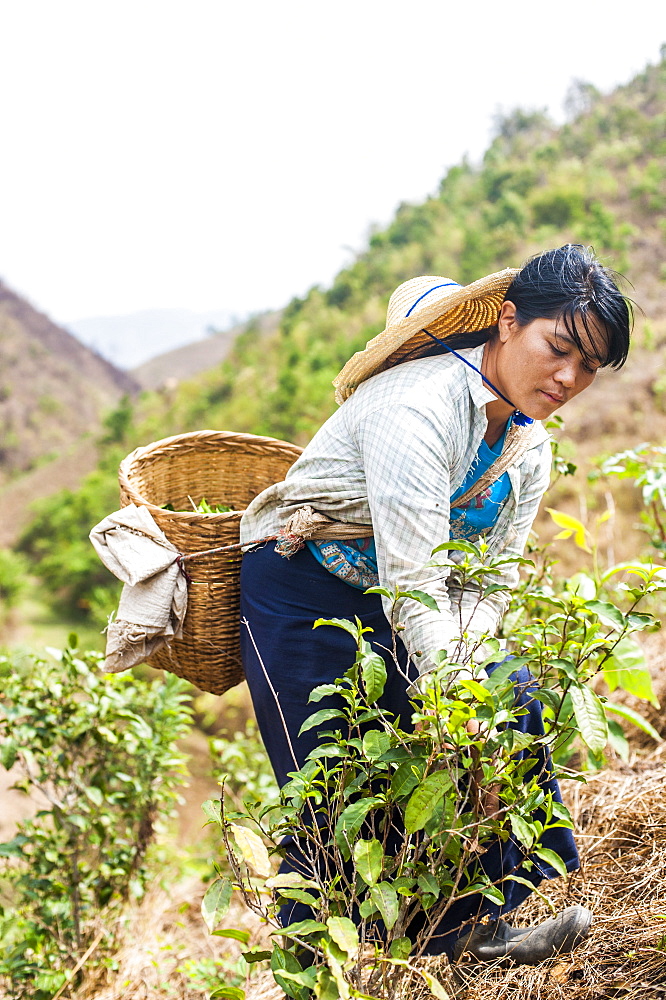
x,y
440,305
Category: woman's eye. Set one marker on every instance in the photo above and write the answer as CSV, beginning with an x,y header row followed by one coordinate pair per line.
x,y
558,352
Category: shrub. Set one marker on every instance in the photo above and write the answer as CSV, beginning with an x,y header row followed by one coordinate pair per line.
x,y
98,754
13,577
390,823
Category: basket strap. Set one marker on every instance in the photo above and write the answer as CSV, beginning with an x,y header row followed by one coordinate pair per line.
x,y
307,523
518,440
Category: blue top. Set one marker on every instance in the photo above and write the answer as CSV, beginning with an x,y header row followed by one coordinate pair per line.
x,y
355,561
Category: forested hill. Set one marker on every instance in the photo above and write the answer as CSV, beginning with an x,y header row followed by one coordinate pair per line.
x,y
54,390
598,179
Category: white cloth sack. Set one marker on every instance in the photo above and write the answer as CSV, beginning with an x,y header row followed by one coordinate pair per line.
x,y
154,599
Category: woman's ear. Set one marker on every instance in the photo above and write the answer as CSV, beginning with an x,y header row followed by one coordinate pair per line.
x,y
506,321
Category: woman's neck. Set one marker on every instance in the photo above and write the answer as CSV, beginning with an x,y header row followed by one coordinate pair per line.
x,y
498,411
496,422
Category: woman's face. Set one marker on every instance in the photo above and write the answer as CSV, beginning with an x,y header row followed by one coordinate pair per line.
x,y
538,366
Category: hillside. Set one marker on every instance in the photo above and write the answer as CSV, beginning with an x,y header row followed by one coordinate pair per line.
x,y
599,180
54,391
189,360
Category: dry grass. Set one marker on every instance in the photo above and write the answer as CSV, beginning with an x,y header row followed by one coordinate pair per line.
x,y
621,818
620,815
165,948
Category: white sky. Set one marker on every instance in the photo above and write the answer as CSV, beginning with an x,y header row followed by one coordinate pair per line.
x,y
208,154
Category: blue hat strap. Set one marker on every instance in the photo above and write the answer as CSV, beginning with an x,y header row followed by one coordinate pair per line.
x,y
434,288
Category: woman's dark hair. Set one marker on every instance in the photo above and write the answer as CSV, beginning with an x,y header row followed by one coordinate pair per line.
x,y
571,285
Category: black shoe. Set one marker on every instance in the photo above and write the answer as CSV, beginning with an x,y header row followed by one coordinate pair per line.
x,y
526,945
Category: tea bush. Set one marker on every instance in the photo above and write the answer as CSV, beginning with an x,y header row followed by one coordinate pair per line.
x,y
391,821
97,754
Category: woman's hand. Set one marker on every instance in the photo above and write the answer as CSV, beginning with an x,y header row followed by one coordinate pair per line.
x,y
486,799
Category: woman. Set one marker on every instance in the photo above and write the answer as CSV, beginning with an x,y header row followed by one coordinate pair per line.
x,y
438,438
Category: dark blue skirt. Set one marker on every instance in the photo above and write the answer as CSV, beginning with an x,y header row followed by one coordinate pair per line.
x,y
281,599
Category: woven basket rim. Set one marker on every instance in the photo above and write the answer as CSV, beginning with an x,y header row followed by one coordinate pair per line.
x,y
208,436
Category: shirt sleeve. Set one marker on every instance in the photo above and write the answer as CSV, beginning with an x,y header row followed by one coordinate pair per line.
x,y
407,463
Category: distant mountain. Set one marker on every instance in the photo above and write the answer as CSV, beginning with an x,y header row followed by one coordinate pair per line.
x,y
54,391
129,341
185,362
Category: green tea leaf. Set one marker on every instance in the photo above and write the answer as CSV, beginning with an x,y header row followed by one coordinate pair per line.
x,y
348,626
522,830
400,948
552,859
216,902
234,933
351,820
373,671
422,598
385,898
502,673
369,858
407,776
460,545
590,717
480,693
428,883
627,669
375,743
256,955
631,716
607,613
323,691
301,896
301,928
284,961
212,808
424,800
323,715
382,591
343,931
327,986
493,893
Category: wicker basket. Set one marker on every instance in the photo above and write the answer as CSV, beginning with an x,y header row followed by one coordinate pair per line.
x,y
226,469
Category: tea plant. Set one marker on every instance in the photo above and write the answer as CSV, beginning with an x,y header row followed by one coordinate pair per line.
x,y
646,466
97,754
391,821
540,596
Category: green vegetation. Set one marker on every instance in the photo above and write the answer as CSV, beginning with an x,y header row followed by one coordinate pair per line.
x,y
98,752
56,542
466,776
98,756
537,186
13,571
